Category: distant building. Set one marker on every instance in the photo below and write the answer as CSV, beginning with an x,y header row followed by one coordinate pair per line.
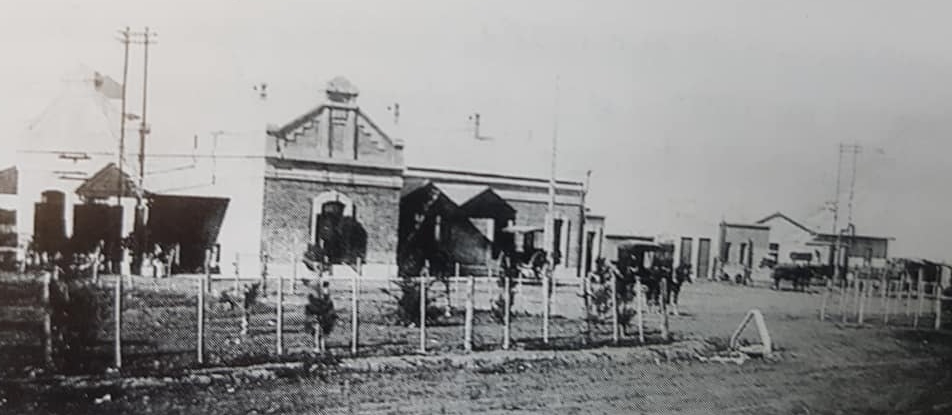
x,y
859,249
791,241
742,246
778,239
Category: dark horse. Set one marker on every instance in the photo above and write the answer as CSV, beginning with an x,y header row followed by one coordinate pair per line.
x,y
799,275
681,275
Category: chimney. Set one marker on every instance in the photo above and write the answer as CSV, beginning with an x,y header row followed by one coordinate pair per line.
x,y
341,92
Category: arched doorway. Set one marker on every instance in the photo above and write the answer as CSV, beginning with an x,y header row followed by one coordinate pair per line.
x,y
336,231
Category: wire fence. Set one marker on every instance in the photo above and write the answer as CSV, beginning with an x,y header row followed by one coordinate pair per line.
x,y
904,302
245,317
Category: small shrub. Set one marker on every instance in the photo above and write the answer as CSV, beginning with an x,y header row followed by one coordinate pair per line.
x,y
601,293
321,315
407,296
498,309
252,296
77,311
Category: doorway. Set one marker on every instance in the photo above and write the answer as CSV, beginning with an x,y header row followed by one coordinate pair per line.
x,y
703,257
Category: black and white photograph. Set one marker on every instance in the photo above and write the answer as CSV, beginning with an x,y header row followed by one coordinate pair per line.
x,y
475,207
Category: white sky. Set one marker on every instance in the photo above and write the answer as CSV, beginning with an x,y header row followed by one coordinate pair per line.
x,y
687,111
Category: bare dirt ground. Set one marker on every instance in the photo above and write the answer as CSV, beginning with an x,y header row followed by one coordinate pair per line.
x,y
823,367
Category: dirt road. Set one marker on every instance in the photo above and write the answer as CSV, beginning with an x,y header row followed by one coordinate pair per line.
x,y
792,386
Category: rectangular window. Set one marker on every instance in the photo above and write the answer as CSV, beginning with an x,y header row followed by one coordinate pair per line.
x,y
557,240
567,246
743,253
774,247
726,252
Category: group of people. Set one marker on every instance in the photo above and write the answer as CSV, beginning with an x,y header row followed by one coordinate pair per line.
x,y
650,276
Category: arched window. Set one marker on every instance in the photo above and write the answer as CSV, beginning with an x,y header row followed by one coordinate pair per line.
x,y
335,229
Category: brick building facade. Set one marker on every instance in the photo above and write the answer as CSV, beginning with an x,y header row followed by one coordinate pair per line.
x,y
328,168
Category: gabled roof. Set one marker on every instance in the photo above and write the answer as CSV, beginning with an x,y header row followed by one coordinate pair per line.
x,y
745,225
8,181
288,130
80,119
461,193
412,186
786,218
105,184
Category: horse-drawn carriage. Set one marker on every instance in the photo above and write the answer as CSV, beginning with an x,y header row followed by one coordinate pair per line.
x,y
651,263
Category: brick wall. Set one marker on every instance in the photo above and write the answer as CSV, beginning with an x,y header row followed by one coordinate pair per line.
x,y
738,235
287,210
533,213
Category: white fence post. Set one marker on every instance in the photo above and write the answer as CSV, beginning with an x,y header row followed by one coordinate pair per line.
x,y
200,341
47,320
546,280
208,271
506,311
355,309
470,299
586,312
863,289
426,272
614,290
295,261
639,297
844,287
664,309
117,316
905,289
919,294
279,323
237,273
938,303
886,302
858,294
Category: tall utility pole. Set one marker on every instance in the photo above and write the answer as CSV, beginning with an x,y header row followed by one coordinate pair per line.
x,y
550,220
147,39
122,122
855,149
117,306
836,216
582,259
126,39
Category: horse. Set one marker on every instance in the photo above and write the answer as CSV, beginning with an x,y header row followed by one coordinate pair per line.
x,y
652,278
799,275
681,275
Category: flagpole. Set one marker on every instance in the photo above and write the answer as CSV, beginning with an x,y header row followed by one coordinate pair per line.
x,y
122,121
551,208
